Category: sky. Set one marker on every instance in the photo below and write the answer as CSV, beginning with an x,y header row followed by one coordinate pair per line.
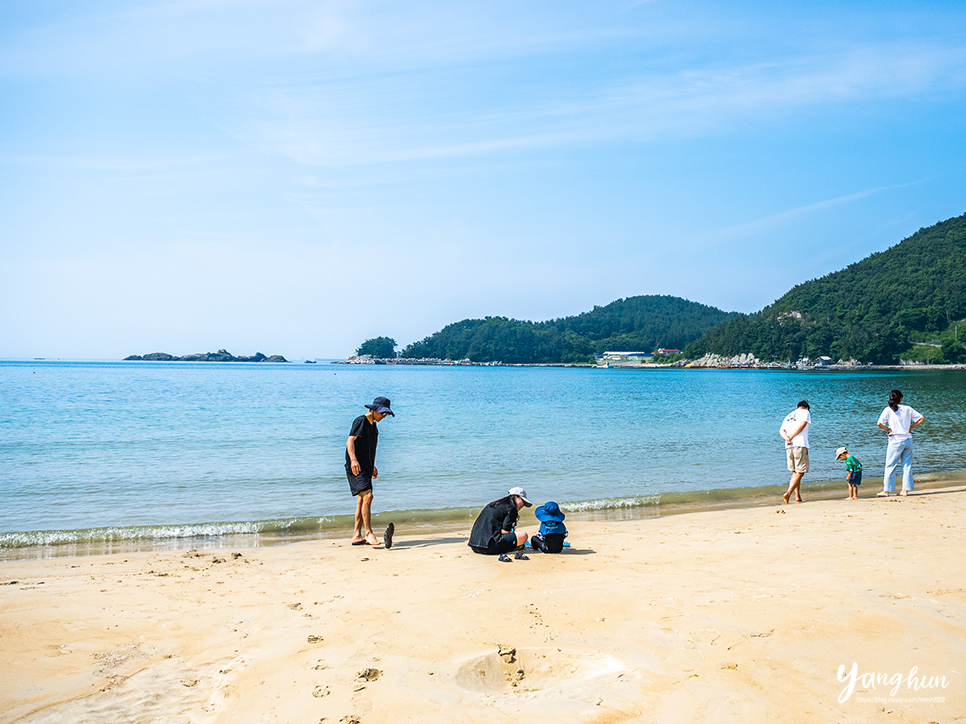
x,y
294,177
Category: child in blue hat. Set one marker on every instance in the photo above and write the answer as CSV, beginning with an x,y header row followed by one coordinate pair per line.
x,y
550,537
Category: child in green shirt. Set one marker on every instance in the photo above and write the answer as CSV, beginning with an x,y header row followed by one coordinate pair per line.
x,y
854,469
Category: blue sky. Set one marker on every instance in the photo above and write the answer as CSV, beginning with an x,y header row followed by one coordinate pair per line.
x,y
295,177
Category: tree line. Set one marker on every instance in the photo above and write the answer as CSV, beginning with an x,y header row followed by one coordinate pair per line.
x,y
641,323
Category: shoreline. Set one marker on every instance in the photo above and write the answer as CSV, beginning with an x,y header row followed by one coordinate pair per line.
x,y
681,364
405,362
745,615
264,534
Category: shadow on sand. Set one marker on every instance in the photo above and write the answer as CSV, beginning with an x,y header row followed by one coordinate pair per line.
x,y
426,542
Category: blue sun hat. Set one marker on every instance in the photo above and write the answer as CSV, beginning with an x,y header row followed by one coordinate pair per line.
x,y
548,512
551,518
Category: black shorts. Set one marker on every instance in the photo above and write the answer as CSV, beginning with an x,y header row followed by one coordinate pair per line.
x,y
358,483
506,543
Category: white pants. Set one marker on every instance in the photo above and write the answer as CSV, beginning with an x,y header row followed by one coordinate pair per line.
x,y
899,451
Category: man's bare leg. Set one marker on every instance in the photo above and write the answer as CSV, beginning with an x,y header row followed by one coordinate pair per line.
x,y
366,514
357,535
793,487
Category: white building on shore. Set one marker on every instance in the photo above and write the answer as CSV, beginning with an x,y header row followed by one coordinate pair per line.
x,y
618,359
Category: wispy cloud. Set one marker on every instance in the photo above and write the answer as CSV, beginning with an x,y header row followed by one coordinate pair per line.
x,y
199,36
388,117
771,223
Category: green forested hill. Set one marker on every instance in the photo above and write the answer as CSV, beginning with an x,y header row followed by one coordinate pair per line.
x,y
641,323
873,310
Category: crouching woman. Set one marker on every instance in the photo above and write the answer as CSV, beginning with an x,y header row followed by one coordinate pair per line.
x,y
494,532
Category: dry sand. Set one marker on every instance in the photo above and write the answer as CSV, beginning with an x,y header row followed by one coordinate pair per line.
x,y
727,616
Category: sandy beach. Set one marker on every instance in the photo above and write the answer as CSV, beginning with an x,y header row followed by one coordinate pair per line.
x,y
726,616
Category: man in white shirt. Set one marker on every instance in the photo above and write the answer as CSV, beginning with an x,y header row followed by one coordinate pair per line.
x,y
794,432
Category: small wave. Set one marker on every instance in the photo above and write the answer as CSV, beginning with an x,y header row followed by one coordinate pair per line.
x,y
160,533
639,501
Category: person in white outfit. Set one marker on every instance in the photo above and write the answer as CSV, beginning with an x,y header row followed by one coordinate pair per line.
x,y
899,421
794,431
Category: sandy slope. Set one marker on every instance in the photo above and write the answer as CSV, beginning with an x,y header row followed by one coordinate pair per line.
x,y
731,616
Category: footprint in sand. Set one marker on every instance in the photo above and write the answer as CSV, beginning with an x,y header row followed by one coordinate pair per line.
x,y
508,669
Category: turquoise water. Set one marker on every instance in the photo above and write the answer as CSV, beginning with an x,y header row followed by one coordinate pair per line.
x,y
112,450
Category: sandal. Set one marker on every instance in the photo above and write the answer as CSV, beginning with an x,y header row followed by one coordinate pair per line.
x,y
521,556
504,558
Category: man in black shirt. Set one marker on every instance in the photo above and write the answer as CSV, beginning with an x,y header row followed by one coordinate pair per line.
x,y
360,469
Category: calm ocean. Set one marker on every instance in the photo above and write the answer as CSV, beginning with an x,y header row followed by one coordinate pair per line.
x,y
103,453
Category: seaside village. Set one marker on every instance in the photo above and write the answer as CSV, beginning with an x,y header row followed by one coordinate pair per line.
x,y
642,359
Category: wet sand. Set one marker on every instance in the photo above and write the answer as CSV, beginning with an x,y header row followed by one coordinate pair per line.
x,y
741,615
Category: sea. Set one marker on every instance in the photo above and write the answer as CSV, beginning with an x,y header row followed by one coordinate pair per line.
x,y
99,457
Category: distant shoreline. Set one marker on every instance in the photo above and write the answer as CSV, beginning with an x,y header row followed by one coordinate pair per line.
x,y
682,364
454,363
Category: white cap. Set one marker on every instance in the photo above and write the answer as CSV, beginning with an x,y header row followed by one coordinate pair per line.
x,y
839,452
522,493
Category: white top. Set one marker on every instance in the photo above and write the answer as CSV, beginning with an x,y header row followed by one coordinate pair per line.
x,y
899,422
794,419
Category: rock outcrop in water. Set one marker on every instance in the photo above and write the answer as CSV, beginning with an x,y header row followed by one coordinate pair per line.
x,y
221,355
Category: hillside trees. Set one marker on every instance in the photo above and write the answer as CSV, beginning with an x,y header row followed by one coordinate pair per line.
x,y
640,323
380,347
873,310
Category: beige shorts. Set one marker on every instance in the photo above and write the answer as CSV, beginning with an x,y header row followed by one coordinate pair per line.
x,y
797,459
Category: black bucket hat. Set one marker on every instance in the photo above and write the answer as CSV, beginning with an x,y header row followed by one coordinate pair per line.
x,y
381,404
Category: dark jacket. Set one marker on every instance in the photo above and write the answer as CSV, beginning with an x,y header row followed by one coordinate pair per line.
x,y
497,516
